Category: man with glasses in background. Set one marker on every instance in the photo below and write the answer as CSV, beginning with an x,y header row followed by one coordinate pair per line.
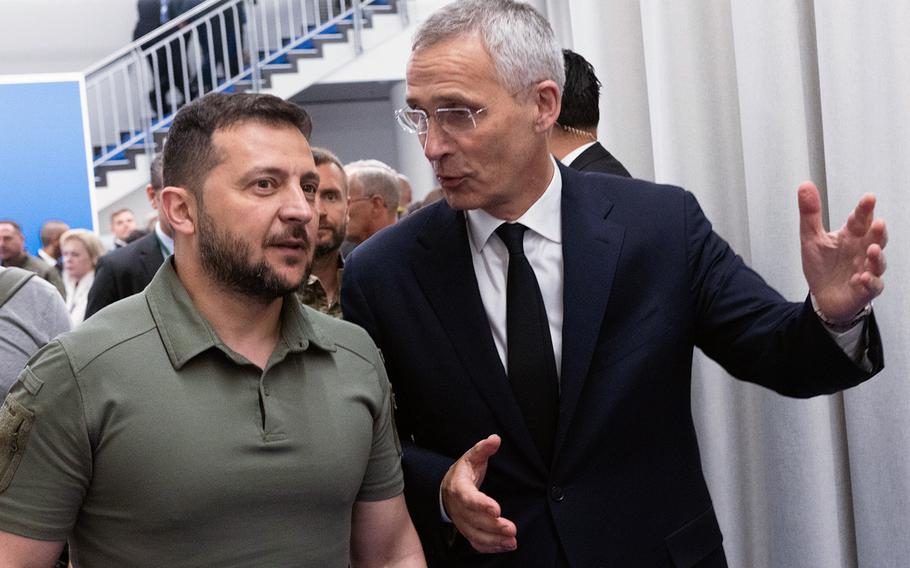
x,y
538,324
372,199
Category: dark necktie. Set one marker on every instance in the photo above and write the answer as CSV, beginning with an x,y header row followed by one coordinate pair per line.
x,y
532,366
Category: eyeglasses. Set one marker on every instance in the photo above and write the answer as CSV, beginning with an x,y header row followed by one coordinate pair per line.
x,y
452,120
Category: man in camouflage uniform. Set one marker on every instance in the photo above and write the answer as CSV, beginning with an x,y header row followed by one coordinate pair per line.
x,y
322,289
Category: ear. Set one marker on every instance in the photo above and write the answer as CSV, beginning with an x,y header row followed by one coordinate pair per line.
x,y
179,207
548,100
150,195
377,203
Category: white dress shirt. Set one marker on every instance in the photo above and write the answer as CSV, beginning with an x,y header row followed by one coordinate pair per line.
x,y
77,295
543,248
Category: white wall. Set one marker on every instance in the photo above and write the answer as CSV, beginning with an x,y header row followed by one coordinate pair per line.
x,y
48,36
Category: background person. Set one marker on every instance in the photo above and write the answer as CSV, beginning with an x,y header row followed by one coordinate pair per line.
x,y
50,243
574,138
81,251
32,313
13,253
128,270
373,194
322,290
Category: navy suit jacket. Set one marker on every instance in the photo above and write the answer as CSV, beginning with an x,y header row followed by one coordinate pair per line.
x,y
598,159
645,281
124,272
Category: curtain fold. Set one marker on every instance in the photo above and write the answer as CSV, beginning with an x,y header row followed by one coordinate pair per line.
x,y
739,102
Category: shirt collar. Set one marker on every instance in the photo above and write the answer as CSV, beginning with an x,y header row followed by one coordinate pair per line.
x,y
186,333
544,217
167,243
570,157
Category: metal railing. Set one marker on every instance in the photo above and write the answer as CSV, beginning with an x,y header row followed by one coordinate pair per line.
x,y
220,45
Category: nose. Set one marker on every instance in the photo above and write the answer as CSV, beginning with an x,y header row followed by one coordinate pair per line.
x,y
297,208
435,141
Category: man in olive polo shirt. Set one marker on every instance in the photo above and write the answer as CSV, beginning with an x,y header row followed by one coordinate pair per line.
x,y
212,420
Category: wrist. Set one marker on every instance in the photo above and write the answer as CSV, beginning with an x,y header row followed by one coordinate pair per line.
x,y
841,326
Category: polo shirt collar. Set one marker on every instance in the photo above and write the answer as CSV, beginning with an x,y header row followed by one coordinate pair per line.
x,y
544,217
185,333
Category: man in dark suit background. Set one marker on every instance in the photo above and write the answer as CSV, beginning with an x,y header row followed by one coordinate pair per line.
x,y
574,139
153,14
128,270
632,278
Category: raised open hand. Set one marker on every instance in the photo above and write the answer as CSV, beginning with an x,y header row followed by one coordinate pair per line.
x,y
843,268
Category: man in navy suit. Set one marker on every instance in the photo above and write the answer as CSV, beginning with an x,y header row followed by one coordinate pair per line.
x,y
128,270
574,138
632,278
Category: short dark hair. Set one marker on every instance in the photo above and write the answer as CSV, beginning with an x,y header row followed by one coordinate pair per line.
x,y
581,95
156,172
322,156
189,154
51,231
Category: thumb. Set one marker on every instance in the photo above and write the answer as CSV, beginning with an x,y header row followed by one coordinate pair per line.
x,y
484,449
478,456
810,210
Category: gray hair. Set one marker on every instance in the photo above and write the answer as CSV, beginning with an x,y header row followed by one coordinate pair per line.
x,y
377,178
519,39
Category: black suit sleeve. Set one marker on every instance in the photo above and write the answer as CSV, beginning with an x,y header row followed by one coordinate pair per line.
x,y
104,289
757,336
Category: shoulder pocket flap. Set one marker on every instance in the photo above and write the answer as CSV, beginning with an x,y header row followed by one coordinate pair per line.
x,y
695,540
31,383
15,424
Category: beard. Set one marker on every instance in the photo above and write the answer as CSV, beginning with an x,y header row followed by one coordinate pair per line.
x,y
226,259
334,243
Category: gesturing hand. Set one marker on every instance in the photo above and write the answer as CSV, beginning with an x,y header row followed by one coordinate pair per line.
x,y
476,515
843,268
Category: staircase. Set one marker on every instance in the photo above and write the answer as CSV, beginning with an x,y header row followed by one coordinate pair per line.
x,y
284,47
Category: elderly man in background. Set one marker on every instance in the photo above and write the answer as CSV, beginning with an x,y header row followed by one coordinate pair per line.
x,y
373,194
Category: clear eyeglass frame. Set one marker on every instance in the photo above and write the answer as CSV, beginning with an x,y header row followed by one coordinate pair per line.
x,y
450,119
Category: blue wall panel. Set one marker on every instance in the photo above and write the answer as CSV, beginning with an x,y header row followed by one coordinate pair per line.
x,y
44,169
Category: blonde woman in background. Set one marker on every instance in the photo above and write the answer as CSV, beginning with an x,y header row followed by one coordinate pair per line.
x,y
81,250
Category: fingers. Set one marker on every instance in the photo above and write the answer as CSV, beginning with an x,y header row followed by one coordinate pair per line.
x,y
860,220
875,260
476,515
810,210
878,233
497,535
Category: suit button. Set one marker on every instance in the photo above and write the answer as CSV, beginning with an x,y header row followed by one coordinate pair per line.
x,y
557,494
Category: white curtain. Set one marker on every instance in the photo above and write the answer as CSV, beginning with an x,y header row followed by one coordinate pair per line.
x,y
739,101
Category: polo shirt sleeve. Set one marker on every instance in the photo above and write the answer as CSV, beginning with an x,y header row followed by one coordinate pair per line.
x,y
383,478
45,462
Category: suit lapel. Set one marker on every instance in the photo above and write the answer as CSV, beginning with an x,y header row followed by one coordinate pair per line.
x,y
445,271
150,257
591,246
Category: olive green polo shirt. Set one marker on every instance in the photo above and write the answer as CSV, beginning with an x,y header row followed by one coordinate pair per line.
x,y
148,442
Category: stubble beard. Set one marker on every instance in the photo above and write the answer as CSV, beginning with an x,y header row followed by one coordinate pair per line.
x,y
334,244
